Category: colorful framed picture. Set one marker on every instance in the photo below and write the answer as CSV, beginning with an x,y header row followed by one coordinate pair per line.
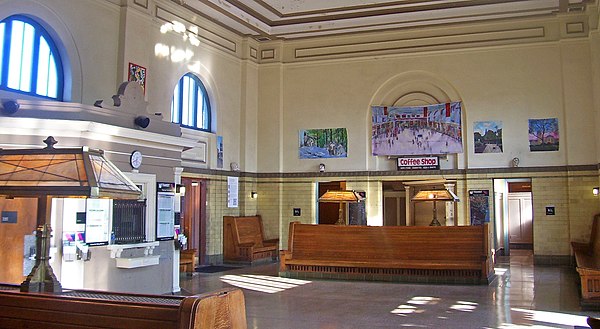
x,y
417,130
543,135
219,151
323,143
137,73
487,136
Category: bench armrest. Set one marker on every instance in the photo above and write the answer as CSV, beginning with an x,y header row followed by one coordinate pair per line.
x,y
580,247
271,241
283,256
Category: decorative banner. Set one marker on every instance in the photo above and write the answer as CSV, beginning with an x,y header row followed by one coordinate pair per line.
x,y
219,151
418,163
323,143
422,130
137,73
487,136
543,135
479,206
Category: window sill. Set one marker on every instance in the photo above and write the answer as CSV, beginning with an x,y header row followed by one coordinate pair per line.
x,y
137,261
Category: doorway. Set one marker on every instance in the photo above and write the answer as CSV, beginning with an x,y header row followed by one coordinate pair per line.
x,y
193,216
394,204
330,212
513,209
520,215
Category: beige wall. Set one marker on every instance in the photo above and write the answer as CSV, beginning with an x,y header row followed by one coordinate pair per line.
x,y
510,84
504,71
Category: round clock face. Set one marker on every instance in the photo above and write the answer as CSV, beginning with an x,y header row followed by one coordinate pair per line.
x,y
135,160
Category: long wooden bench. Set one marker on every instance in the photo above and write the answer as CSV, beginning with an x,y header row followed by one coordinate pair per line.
x,y
587,258
452,254
91,309
244,240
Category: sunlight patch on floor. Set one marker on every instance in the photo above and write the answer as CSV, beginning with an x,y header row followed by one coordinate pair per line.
x,y
262,283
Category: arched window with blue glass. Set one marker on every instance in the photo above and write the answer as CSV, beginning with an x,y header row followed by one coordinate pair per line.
x,y
30,60
190,106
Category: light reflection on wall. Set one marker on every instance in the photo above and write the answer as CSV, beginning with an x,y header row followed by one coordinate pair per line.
x,y
176,54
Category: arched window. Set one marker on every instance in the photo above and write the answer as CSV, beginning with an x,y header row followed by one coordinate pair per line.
x,y
30,60
190,106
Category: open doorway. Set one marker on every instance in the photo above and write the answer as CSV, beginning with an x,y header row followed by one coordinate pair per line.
x,y
329,212
193,216
514,215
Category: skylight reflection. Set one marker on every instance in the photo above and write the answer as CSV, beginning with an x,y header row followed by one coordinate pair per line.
x,y
464,306
500,271
554,318
262,283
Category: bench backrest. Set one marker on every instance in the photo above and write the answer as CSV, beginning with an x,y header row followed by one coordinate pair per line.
x,y
247,229
372,243
595,236
37,310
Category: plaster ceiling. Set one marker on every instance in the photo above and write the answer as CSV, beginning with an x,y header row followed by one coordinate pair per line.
x,y
290,19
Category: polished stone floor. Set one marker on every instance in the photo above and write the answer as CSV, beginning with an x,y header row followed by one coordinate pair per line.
x,y
523,296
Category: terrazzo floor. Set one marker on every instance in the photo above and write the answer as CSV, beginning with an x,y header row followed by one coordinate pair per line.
x,y
523,296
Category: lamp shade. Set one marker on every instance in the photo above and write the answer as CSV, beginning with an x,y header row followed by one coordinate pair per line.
x,y
435,195
71,172
341,196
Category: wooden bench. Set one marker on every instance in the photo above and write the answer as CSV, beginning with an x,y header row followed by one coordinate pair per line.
x,y
244,240
91,309
187,260
456,254
587,258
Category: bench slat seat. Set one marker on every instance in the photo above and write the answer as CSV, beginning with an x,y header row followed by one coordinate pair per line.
x,y
410,264
364,252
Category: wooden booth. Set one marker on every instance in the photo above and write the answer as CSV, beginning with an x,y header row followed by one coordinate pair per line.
x,y
244,240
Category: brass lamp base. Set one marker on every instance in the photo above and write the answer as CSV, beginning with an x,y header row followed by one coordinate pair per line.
x,y
42,278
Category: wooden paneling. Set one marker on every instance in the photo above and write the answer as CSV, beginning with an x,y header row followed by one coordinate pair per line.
x,y
11,237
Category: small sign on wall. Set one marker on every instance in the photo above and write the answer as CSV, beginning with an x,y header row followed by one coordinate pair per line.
x,y
419,163
550,211
9,217
297,212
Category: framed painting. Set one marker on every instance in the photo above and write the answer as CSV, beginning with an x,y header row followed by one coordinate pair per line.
x,y
137,73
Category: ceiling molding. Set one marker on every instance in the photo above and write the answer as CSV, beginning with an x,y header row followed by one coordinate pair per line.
x,y
292,19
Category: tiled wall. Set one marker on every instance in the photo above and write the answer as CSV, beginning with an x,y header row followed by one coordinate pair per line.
x,y
568,191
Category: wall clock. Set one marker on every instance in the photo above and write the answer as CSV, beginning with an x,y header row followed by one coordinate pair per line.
x,y
135,159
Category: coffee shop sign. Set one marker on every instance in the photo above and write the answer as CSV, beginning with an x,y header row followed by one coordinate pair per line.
x,y
418,163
